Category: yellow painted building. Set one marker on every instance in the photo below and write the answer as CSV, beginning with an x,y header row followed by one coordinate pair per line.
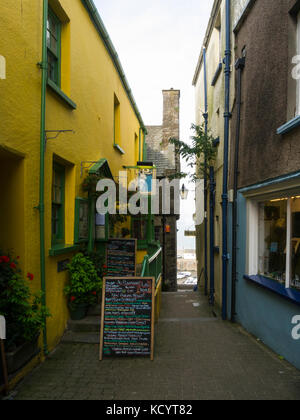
x,y
89,116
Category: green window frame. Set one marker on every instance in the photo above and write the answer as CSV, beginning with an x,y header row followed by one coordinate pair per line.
x,y
54,48
58,205
82,208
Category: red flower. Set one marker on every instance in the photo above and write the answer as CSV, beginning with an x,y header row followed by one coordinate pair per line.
x,y
105,266
13,266
30,276
72,298
4,259
94,293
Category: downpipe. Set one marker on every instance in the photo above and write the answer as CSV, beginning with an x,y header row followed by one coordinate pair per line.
x,y
212,188
239,66
41,206
205,116
227,116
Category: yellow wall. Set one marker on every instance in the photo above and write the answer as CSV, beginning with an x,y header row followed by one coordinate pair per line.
x,y
90,79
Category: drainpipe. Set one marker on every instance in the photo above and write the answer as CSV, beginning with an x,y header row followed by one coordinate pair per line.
x,y
140,144
227,116
212,186
239,66
144,145
41,207
205,116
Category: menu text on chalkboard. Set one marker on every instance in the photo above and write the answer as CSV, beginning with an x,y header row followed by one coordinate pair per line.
x,y
127,327
121,257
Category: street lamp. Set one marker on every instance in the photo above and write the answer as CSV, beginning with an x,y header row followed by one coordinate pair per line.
x,y
184,192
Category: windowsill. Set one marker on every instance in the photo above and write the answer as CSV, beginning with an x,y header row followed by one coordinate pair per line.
x,y
119,148
217,74
62,249
290,125
61,94
291,295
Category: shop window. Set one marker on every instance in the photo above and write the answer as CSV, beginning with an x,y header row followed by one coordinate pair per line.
x,y
58,205
275,225
272,239
54,47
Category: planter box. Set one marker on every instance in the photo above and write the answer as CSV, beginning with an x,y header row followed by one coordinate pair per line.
x,y
21,356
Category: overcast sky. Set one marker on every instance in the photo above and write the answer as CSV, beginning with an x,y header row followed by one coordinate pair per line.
x,y
158,43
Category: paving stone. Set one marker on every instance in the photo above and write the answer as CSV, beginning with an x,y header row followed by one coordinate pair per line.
x,y
197,357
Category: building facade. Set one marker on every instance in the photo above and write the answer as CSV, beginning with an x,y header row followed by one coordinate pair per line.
x,y
265,149
167,162
66,112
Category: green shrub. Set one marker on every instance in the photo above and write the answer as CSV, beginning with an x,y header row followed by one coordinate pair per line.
x,y
23,310
84,284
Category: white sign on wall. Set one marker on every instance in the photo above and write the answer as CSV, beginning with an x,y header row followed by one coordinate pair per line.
x,y
2,67
2,328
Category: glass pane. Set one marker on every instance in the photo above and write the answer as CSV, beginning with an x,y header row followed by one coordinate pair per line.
x,y
272,239
295,267
52,25
52,68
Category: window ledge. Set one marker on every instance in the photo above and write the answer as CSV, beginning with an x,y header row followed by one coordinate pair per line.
x,y
290,125
119,148
62,249
291,295
61,94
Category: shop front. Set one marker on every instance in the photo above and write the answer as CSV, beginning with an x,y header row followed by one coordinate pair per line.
x,y
268,287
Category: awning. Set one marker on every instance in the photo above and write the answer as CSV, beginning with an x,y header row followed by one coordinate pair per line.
x,y
101,167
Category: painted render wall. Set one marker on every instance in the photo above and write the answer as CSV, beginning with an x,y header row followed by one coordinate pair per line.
x,y
268,101
215,50
90,79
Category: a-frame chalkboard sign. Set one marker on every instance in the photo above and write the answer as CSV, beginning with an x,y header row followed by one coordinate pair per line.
x,y
127,325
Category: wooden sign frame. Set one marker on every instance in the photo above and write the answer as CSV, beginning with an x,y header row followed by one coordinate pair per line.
x,y
5,386
123,239
152,311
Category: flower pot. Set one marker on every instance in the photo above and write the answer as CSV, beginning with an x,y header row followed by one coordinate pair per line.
x,y
78,312
22,355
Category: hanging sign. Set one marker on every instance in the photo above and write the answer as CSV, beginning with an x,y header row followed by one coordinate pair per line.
x,y
127,325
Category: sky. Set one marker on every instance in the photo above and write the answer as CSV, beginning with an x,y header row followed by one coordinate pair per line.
x,y
159,43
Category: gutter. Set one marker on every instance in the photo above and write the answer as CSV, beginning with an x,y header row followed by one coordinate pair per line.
x,y
94,14
41,207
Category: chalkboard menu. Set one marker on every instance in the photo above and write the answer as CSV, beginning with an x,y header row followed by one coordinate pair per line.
x,y
127,327
121,257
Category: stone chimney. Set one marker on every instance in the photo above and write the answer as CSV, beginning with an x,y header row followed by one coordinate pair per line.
x,y
171,110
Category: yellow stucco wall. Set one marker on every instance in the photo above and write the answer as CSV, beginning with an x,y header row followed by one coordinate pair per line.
x,y
215,51
90,79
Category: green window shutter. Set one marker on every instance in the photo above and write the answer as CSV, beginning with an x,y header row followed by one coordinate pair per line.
x,y
58,205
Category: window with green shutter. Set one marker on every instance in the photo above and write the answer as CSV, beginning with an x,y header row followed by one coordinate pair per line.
x,y
58,204
54,47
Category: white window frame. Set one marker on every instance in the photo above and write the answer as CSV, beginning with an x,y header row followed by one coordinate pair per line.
x,y
253,233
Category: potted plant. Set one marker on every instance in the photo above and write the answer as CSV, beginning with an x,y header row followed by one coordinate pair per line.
x,y
23,311
84,286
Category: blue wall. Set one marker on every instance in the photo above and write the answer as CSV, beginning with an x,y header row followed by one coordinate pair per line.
x,y
261,312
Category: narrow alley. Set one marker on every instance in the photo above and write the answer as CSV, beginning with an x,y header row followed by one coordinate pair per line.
x,y
197,357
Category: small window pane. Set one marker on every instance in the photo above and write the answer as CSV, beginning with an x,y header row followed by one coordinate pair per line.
x,y
272,239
